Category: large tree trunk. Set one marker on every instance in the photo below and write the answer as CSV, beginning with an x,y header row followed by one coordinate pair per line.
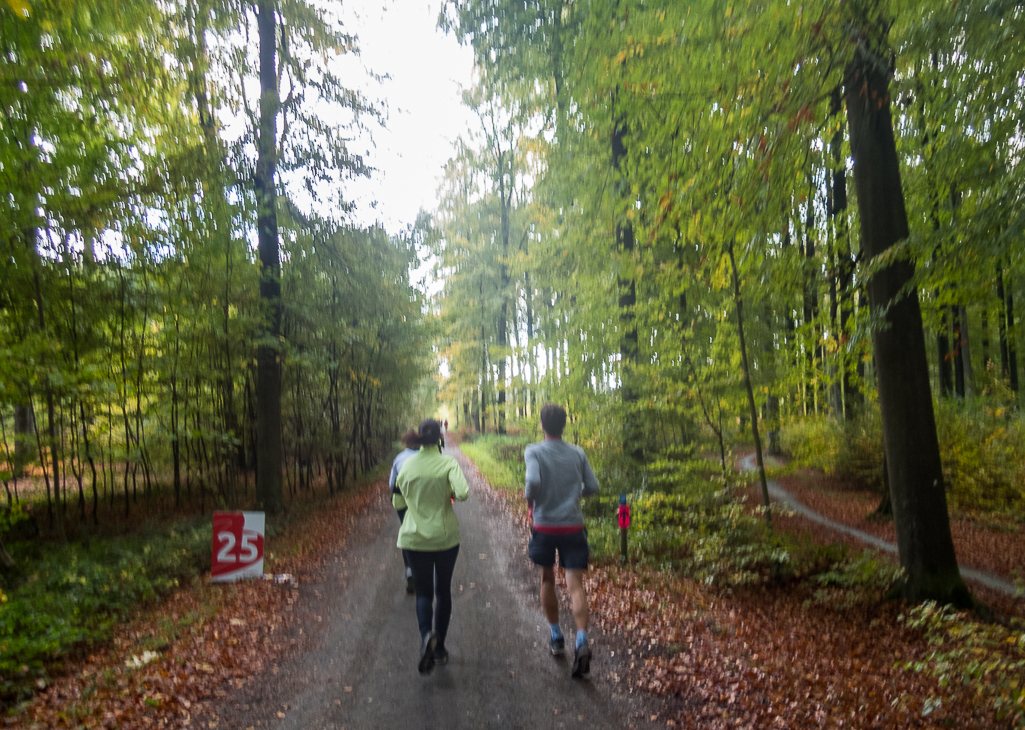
x,y
633,449
269,491
909,428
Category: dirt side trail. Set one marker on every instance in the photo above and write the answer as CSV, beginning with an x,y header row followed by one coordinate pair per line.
x,y
360,640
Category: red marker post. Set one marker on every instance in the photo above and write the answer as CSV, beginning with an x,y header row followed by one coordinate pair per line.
x,y
624,525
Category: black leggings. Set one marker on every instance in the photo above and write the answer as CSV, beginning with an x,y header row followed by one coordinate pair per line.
x,y
432,574
402,516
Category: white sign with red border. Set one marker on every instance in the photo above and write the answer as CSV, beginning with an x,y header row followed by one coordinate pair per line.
x,y
238,546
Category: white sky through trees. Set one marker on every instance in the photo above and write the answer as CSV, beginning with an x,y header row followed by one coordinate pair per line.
x,y
428,70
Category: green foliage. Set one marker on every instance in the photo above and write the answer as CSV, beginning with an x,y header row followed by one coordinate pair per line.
x,y
500,460
988,659
129,291
982,444
71,596
982,447
852,449
688,521
867,570
848,581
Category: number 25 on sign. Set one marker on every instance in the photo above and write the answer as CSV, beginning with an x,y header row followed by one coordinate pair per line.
x,y
238,546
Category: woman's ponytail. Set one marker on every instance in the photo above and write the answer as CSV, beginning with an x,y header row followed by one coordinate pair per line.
x,y
429,433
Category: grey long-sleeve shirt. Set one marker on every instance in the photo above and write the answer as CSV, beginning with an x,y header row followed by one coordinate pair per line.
x,y
558,475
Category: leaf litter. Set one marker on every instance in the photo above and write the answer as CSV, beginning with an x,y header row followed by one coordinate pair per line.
x,y
765,657
213,638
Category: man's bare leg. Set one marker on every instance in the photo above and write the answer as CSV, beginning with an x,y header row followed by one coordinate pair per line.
x,y
549,599
577,597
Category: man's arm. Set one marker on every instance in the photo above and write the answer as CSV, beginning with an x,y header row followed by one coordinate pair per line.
x,y
590,480
533,486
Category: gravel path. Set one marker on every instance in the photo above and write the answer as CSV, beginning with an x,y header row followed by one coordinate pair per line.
x,y
357,665
778,493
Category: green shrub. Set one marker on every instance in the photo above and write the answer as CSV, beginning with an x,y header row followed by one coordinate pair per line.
x,y
684,517
687,518
982,447
983,450
500,460
73,595
988,659
853,449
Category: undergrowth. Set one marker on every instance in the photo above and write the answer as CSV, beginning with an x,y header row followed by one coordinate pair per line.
x,y
989,659
66,597
500,460
982,447
691,519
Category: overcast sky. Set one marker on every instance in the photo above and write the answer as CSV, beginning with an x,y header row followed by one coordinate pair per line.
x,y
427,71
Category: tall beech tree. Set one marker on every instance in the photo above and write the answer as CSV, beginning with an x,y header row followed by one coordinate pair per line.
x,y
130,216
909,428
268,354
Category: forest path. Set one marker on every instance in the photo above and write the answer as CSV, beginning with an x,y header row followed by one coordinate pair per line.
x,y
778,493
358,667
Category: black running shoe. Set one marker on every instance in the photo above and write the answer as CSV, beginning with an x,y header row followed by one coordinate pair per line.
x,y
427,653
441,655
557,646
581,661
410,584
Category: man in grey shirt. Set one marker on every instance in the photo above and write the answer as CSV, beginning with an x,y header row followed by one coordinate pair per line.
x,y
558,476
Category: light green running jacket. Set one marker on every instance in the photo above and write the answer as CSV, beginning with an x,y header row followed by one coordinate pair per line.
x,y
427,483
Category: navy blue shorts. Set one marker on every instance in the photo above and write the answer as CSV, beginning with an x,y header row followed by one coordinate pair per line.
x,y
572,548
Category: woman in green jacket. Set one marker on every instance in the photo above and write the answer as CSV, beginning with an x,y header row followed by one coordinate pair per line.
x,y
429,537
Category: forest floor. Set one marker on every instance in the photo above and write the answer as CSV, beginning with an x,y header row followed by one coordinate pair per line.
x,y
336,649
991,546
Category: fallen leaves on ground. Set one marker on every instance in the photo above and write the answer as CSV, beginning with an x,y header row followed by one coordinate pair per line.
x,y
772,656
224,635
999,550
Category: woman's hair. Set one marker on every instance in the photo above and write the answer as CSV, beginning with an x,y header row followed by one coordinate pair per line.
x,y
429,433
409,439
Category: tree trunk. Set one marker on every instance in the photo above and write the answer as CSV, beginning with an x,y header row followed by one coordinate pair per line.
x,y
633,449
269,490
850,395
909,427
24,429
503,324
811,303
943,355
958,360
1005,365
985,336
739,302
964,347
1012,350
